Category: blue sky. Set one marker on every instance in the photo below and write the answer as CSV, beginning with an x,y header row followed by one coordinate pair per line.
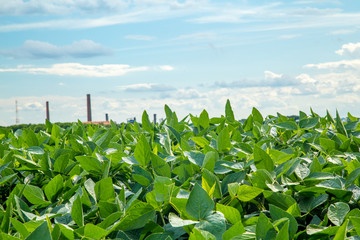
x,y
135,55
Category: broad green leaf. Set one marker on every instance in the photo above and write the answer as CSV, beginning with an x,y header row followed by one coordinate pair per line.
x,y
284,232
54,187
341,233
94,232
229,114
309,123
209,160
213,223
35,195
176,221
90,164
199,203
257,117
287,125
35,150
230,213
340,125
356,223
163,187
337,212
20,228
262,159
264,228
223,140
104,190
196,158
42,232
204,119
146,124
234,230
198,234
246,193
7,178
142,151
137,215
160,166
277,213
77,212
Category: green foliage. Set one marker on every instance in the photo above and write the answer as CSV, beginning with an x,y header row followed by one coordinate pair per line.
x,y
273,177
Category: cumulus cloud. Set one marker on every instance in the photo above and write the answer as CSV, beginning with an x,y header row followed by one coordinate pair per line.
x,y
77,69
350,49
38,49
147,87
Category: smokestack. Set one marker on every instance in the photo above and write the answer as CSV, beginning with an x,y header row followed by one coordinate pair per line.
x,y
154,118
106,117
88,108
47,111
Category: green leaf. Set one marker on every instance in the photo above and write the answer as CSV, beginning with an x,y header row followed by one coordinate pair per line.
x,y
223,140
35,150
341,233
90,164
340,125
246,193
142,151
234,230
284,232
198,234
7,178
264,228
104,190
146,124
20,227
77,212
356,223
287,125
42,232
213,223
309,123
230,213
94,232
35,195
137,215
163,187
199,203
257,117
337,212
54,187
209,160
204,119
262,159
160,166
176,221
229,114
277,213
196,158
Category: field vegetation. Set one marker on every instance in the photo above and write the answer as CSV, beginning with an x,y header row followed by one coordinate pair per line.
x,y
270,177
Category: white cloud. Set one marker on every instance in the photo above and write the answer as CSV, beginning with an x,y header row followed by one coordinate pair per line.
x,y
38,49
350,49
353,64
77,69
140,37
342,32
142,87
164,68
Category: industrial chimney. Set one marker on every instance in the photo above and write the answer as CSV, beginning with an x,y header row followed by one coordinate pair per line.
x,y
88,108
47,111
